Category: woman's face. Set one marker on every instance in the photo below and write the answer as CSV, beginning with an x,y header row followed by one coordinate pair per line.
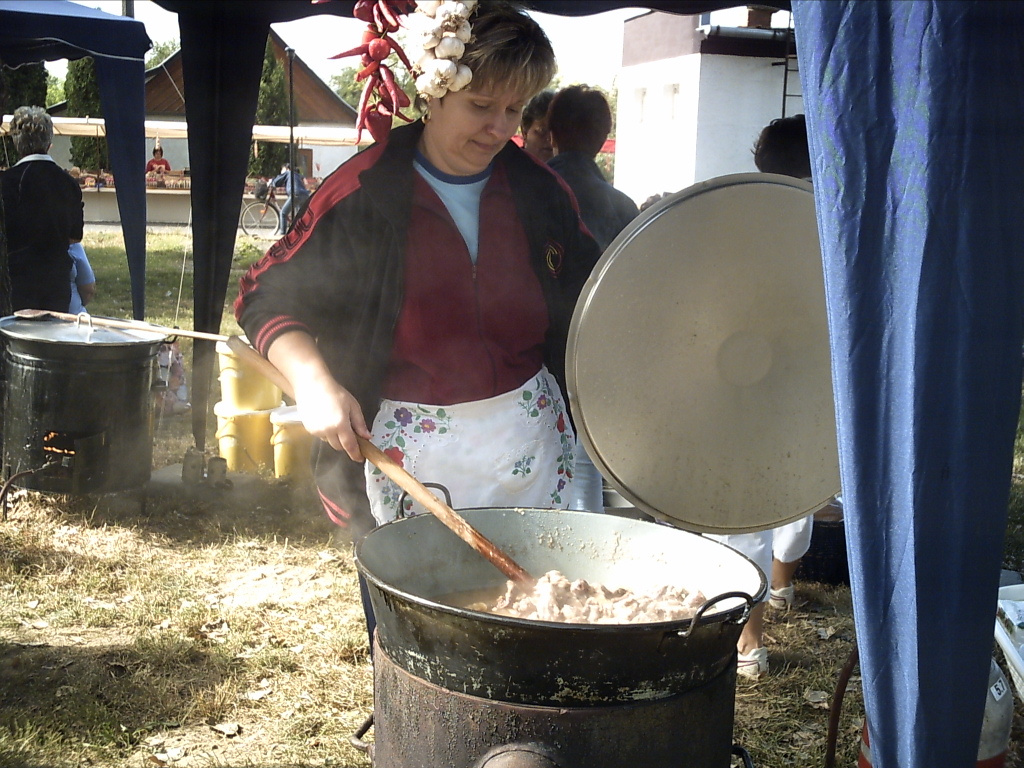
x,y
537,140
468,128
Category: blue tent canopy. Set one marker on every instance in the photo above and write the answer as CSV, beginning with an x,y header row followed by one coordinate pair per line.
x,y
44,30
914,111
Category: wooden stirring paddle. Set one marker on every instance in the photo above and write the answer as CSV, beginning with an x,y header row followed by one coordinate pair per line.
x,y
452,519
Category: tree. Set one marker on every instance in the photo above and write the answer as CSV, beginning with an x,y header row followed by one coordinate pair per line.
x,y
19,87
160,52
350,90
83,95
54,90
266,158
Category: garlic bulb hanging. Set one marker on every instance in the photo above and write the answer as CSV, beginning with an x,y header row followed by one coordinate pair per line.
x,y
450,48
463,77
428,7
442,28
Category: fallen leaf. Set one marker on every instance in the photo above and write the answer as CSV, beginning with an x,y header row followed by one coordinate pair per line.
x,y
228,729
257,694
826,634
33,603
819,699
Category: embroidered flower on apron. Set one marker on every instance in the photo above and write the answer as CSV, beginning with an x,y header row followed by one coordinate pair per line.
x,y
515,449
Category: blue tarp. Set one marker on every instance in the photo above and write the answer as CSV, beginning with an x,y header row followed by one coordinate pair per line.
x,y
914,112
45,30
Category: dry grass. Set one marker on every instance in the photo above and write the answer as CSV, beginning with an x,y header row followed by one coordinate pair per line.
x,y
197,628
127,634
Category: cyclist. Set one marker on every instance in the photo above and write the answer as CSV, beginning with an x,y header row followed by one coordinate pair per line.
x,y
295,188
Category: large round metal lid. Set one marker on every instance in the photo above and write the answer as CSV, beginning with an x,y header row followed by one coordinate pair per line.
x,y
698,362
57,331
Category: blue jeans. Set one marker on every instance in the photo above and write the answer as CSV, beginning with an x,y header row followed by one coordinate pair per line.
x,y
300,198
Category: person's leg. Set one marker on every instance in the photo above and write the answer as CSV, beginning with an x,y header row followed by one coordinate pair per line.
x,y
752,658
286,210
790,542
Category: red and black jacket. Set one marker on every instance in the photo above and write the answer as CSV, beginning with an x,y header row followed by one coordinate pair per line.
x,y
339,275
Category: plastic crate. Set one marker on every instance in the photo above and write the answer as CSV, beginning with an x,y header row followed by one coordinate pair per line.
x,y
826,560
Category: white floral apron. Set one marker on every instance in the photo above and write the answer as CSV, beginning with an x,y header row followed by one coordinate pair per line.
x,y
513,450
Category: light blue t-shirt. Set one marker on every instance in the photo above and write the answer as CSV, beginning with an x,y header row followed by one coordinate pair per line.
x,y
81,274
460,195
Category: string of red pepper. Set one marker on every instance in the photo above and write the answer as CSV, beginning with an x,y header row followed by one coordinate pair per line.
x,y
382,98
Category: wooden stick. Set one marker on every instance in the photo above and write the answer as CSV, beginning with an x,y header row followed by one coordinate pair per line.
x,y
110,322
455,522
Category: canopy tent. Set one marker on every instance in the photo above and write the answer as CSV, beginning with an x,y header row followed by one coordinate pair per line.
x,y
910,107
45,30
308,135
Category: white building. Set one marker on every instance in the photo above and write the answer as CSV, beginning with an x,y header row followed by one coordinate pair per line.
x,y
693,97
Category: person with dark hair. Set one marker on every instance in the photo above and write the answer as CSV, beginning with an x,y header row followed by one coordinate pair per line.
x,y
423,299
782,148
534,126
579,120
158,166
295,191
43,215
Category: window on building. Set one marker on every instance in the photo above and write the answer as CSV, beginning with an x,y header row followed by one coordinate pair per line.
x,y
672,101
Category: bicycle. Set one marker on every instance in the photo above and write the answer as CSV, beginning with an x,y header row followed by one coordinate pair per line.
x,y
261,217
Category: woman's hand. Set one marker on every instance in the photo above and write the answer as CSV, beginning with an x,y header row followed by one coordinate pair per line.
x,y
330,412
327,409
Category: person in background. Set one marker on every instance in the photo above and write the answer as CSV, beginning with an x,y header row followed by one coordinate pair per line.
x,y
423,302
579,121
43,215
295,192
158,166
83,280
534,126
781,148
650,201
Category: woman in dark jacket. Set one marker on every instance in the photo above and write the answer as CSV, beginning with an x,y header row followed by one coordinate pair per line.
x,y
43,215
423,299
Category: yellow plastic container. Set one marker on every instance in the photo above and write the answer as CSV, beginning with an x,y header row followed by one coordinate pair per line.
x,y
241,387
244,438
292,444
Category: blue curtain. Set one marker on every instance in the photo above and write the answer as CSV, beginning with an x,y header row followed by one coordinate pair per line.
x,y
123,97
914,113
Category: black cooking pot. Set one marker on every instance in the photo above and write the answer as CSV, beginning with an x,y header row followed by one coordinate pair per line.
x,y
414,566
77,405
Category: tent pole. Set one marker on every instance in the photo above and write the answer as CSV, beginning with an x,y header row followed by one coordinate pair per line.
x,y
291,139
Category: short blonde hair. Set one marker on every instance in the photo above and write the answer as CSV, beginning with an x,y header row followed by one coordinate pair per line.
x,y
508,49
31,130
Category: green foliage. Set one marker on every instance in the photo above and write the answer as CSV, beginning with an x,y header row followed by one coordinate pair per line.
x,y
271,109
350,90
23,86
54,90
83,94
161,51
347,87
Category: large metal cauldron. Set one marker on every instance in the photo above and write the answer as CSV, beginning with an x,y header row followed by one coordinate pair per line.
x,y
508,680
77,405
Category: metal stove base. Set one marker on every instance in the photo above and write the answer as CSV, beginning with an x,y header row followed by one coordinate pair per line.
x,y
420,725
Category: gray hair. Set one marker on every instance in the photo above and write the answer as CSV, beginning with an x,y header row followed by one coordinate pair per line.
x,y
31,130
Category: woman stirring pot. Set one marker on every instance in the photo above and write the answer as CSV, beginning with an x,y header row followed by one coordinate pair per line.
x,y
423,299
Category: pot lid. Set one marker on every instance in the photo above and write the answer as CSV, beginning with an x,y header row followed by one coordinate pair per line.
x,y
698,360
57,331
